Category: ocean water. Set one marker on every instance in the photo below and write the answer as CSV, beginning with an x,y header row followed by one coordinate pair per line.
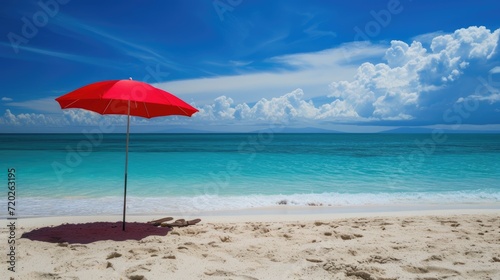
x,y
82,174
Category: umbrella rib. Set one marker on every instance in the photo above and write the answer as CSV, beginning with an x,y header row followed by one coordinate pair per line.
x,y
71,103
109,103
145,107
168,99
183,110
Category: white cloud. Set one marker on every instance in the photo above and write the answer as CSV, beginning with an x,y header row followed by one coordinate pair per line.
x,y
311,71
30,119
47,105
331,57
495,70
288,108
392,90
427,37
472,42
68,117
6,99
80,118
236,63
491,98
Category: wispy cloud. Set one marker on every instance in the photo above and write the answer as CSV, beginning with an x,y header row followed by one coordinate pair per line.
x,y
495,70
62,55
47,105
126,47
6,99
427,38
312,28
312,72
71,27
237,63
230,63
342,55
315,32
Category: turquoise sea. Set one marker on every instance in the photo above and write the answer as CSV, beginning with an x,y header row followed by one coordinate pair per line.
x,y
82,174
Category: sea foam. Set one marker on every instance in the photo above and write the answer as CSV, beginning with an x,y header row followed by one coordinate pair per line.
x,y
43,206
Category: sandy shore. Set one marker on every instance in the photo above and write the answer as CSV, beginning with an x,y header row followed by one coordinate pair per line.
x,y
438,244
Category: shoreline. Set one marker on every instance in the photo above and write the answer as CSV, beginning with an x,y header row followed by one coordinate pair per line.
x,y
276,214
215,205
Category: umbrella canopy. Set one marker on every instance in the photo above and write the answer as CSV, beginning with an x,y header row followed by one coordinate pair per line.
x,y
126,97
112,98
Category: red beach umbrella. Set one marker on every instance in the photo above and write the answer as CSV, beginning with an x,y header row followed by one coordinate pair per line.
x,y
126,97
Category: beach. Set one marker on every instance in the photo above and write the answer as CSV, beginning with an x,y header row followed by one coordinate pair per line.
x,y
272,206
305,244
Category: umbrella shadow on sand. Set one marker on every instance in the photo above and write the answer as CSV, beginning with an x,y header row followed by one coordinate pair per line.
x,y
96,231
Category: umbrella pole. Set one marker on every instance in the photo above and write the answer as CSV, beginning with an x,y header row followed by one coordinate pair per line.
x,y
126,168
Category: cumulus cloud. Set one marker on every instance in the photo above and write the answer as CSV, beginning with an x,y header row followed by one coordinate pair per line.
x,y
395,89
30,119
74,117
405,87
288,108
75,120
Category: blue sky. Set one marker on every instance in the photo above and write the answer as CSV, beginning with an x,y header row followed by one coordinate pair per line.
x,y
354,66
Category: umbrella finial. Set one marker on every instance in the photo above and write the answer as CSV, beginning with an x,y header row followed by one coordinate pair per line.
x,y
130,78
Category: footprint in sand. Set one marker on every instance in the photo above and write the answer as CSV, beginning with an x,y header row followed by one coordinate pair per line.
x,y
113,255
350,236
381,260
43,275
139,268
222,273
225,239
434,258
218,273
136,277
142,253
415,270
444,272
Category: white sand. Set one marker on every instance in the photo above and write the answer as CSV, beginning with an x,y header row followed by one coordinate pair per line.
x,y
301,244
